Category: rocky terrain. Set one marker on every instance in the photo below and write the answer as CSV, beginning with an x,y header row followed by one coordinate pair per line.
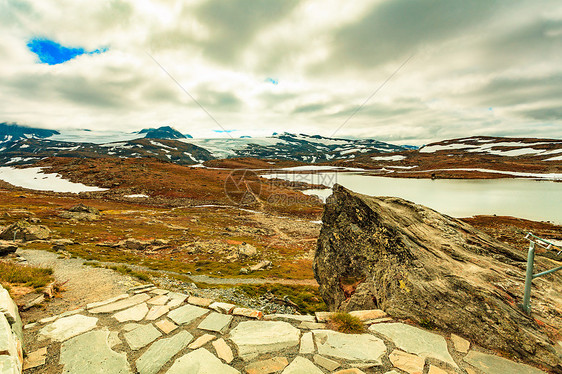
x,y
416,264
478,157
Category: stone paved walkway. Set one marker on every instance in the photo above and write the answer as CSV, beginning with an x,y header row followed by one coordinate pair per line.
x,y
150,331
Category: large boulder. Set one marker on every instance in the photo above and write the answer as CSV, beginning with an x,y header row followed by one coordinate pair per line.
x,y
7,247
414,263
25,231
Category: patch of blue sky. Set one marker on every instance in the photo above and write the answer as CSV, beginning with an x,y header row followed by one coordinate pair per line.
x,y
224,131
53,53
272,81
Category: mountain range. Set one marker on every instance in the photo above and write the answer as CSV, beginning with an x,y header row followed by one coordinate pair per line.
x,y
25,145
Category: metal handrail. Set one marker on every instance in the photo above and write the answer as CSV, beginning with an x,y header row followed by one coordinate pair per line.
x,y
535,240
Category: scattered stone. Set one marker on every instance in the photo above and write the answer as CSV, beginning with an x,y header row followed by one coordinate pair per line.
x,y
312,325
7,247
30,325
260,266
301,365
246,312
222,307
199,301
67,327
158,300
323,316
267,366
498,365
136,313
25,231
176,299
48,319
81,212
121,304
200,361
365,315
415,340
359,347
435,370
307,343
216,322
461,345
156,312
289,318
253,338
35,359
326,363
223,350
166,326
186,314
411,364
246,250
90,353
201,341
161,352
378,320
141,336
108,301
34,302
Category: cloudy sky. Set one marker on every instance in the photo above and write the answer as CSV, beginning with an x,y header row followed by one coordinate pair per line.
x,y
452,68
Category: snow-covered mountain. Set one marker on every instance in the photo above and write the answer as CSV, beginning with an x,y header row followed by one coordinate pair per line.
x,y
183,149
10,133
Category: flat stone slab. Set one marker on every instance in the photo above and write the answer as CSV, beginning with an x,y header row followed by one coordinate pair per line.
x,y
267,366
199,301
34,359
121,304
200,361
253,338
136,313
490,364
415,340
67,327
156,312
9,365
90,353
223,350
354,347
166,326
186,314
326,363
246,312
410,363
142,336
158,300
307,343
176,299
301,365
461,345
107,301
366,315
201,341
226,308
289,318
161,352
216,322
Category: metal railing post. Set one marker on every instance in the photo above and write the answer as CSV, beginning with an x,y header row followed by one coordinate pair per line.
x,y
529,278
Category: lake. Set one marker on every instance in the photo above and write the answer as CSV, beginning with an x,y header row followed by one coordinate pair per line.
x,y
523,198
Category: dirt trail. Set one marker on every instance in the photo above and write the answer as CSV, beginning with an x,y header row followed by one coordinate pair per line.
x,y
84,284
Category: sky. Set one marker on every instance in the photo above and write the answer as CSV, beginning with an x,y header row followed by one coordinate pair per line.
x,y
402,71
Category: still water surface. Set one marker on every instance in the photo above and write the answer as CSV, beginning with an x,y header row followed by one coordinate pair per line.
x,y
523,198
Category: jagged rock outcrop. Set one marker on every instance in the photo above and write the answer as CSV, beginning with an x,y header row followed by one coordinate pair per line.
x,y
414,263
7,247
25,231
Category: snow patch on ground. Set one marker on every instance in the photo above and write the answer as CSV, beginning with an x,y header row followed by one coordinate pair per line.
x,y
137,195
389,158
35,179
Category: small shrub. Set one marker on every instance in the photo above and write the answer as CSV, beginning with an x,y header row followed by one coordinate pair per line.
x,y
346,323
17,274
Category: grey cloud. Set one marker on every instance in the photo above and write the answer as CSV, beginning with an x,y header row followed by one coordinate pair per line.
x,y
235,23
216,100
398,28
309,108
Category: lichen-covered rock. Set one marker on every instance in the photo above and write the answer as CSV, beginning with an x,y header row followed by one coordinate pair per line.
x,y
81,212
24,230
414,263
